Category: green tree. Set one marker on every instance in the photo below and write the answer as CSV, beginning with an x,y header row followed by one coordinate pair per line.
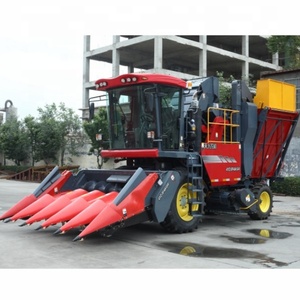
x,y
98,125
48,141
14,141
32,131
56,131
65,129
288,48
224,89
72,135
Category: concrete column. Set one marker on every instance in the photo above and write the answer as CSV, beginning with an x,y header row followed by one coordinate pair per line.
x,y
86,71
275,59
203,57
158,52
130,68
245,53
115,57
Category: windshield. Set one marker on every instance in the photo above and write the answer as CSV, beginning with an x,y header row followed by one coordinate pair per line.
x,y
144,116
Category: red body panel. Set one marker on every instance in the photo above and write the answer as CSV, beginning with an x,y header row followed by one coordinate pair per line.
x,y
34,207
58,204
24,202
76,206
127,79
222,162
271,141
132,205
28,200
90,212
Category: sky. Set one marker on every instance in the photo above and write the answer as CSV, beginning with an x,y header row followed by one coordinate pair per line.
x,y
41,43
41,53
38,68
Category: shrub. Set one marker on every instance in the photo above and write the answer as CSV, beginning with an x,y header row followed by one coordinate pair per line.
x,y
289,186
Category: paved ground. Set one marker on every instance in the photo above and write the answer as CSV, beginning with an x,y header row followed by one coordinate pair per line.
x,y
223,242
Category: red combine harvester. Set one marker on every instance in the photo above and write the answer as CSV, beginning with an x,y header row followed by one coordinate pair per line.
x,y
182,155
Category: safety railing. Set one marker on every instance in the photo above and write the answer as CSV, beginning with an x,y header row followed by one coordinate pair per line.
x,y
221,129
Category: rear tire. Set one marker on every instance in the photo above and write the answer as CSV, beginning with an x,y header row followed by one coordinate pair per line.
x,y
179,218
265,202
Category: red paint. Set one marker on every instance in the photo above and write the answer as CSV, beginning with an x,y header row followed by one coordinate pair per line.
x,y
90,212
116,82
72,209
24,202
222,162
267,151
133,204
55,206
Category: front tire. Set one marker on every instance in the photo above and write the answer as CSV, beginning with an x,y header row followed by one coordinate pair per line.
x,y
265,202
179,218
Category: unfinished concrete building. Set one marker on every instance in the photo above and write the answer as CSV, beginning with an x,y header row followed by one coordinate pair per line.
x,y
243,57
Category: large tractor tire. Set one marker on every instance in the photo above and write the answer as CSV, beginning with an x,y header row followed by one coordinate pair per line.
x,y
179,218
265,202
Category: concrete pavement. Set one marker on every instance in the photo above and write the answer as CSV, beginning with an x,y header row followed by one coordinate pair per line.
x,y
222,243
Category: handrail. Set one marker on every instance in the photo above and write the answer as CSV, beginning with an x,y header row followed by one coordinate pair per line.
x,y
227,123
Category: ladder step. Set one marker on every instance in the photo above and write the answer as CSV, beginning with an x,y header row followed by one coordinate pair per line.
x,y
194,188
196,203
196,177
193,202
195,165
196,214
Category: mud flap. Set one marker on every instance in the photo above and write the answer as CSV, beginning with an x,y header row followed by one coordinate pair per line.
x,y
162,198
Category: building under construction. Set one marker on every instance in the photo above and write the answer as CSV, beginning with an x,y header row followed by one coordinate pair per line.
x,y
243,57
186,57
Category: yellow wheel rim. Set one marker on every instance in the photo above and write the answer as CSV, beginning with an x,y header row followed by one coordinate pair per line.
x,y
265,202
187,250
182,204
264,233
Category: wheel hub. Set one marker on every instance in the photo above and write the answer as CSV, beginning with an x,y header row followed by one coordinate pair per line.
x,y
183,201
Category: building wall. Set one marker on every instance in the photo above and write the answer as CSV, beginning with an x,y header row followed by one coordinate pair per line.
x,y
243,57
291,166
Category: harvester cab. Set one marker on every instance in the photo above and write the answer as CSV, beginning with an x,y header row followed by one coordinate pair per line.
x,y
182,155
